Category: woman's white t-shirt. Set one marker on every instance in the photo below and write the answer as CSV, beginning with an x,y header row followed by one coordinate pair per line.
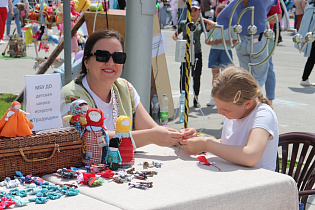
x,y
236,131
4,3
107,108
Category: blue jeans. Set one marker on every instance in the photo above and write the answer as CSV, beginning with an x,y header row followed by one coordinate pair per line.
x,y
182,14
270,84
162,16
16,19
243,53
169,13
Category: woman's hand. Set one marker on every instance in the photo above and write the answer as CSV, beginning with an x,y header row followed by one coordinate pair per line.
x,y
194,146
188,133
166,136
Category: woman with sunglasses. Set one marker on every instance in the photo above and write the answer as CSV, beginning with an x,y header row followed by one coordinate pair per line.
x,y
100,86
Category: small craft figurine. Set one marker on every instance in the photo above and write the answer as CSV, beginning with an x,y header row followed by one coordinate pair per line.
x,y
113,156
77,117
95,181
107,174
83,178
6,202
127,145
151,164
11,183
95,138
96,168
141,185
14,122
203,160
66,173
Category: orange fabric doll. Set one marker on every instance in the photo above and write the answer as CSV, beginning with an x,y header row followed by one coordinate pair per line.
x,y
14,122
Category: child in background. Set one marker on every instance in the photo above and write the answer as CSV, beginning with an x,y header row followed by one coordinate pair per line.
x,y
196,72
250,133
217,57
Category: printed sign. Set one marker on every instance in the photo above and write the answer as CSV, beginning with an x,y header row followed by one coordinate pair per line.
x,y
158,45
43,101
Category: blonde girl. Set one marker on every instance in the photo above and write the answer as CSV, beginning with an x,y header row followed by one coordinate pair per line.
x,y
250,132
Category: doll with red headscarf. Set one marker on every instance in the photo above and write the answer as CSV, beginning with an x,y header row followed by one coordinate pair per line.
x,y
14,122
95,138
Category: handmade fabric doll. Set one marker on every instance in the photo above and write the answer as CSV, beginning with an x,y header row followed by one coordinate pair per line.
x,y
127,144
73,12
74,39
14,122
113,155
95,138
82,5
77,116
23,15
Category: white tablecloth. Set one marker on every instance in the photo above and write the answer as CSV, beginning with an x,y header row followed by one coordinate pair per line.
x,y
182,183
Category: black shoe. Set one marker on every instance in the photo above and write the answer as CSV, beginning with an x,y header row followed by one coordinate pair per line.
x,y
196,105
279,40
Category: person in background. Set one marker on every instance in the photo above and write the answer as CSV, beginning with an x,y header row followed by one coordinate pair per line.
x,y
3,16
308,25
16,19
275,28
122,4
270,84
206,9
167,4
218,58
196,72
250,133
182,10
243,50
101,87
162,13
299,12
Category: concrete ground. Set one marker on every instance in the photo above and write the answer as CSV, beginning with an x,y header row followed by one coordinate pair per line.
x,y
294,104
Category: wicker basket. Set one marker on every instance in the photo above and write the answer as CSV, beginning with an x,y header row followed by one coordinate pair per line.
x,y
41,153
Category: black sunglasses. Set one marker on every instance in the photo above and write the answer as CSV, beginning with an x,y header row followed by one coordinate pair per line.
x,y
104,56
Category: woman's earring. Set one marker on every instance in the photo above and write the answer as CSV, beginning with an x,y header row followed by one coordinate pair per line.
x,y
87,70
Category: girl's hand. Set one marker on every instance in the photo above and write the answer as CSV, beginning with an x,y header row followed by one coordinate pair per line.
x,y
194,146
188,133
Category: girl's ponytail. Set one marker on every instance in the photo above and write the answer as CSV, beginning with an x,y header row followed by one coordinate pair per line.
x,y
263,99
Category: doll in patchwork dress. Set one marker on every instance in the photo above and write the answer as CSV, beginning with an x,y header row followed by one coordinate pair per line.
x,y
127,145
95,138
77,116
